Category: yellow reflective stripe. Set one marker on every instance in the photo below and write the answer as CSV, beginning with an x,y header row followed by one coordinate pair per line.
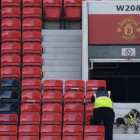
x,y
131,119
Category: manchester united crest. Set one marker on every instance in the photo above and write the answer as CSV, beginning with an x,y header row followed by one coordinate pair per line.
x,y
128,29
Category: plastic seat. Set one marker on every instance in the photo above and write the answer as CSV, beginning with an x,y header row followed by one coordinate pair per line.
x,y
32,3
11,24
73,119
72,138
51,119
94,84
29,130
30,108
73,9
30,119
32,12
31,84
94,138
10,60
9,97
9,108
31,36
32,72
53,108
11,36
8,130
53,85
88,113
52,9
5,3
11,85
10,73
10,12
72,130
74,85
32,48
8,119
32,60
28,137
76,108
31,24
94,130
50,130
52,97
89,95
31,97
10,48
8,138
74,97
50,138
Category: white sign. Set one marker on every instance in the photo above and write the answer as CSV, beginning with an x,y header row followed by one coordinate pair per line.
x,y
128,51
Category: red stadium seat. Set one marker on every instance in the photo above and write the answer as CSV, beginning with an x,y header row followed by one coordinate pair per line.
x,y
74,97
73,9
30,119
73,119
89,95
53,108
28,130
8,138
31,97
50,138
32,3
10,12
10,60
90,130
32,108
72,130
52,97
32,48
31,24
10,48
32,60
88,113
9,119
94,84
31,36
31,84
50,130
51,119
32,72
11,36
94,138
52,9
8,130
5,3
28,138
74,85
53,85
72,138
32,12
10,73
11,24
71,108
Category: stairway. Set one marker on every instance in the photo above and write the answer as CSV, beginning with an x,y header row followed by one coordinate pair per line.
x,y
121,109
62,54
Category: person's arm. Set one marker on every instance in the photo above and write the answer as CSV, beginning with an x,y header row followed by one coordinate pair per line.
x,y
92,100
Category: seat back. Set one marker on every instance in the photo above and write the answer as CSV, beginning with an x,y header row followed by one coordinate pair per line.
x,y
32,3
28,137
8,138
50,138
88,113
78,85
94,138
15,3
72,138
89,95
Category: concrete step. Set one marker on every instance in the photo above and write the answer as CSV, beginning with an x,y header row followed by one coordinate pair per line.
x,y
126,137
49,38
61,74
62,44
126,105
62,62
62,32
61,68
62,50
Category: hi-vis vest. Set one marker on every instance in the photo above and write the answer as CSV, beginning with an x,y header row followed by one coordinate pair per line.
x,y
102,99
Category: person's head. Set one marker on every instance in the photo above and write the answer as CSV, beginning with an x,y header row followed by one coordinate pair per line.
x,y
119,121
101,89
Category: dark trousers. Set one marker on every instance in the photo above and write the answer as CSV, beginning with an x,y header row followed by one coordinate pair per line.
x,y
107,115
